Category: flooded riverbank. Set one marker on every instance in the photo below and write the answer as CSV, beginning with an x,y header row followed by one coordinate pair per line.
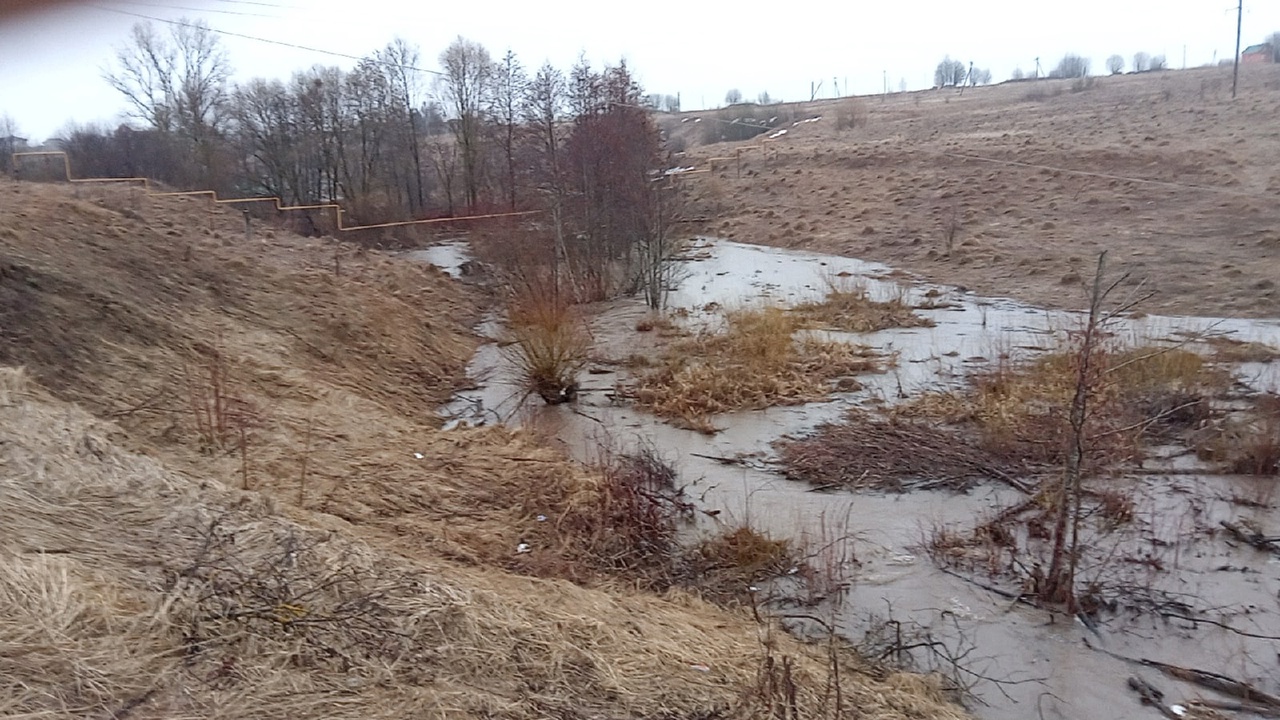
x,y
1019,661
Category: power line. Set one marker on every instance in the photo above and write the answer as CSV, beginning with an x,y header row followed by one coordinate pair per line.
x,y
228,33
191,9
260,4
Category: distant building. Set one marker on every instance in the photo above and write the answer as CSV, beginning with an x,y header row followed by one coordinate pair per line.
x,y
1261,53
10,144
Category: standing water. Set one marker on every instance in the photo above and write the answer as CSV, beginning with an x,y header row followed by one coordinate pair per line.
x,y
1020,662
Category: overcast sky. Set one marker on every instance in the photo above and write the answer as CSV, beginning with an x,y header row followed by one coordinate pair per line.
x,y
52,53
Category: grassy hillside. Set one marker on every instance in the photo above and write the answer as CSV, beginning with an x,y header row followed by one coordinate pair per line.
x,y
1014,189
225,493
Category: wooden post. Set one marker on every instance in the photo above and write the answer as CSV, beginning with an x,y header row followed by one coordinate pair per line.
x,y
248,226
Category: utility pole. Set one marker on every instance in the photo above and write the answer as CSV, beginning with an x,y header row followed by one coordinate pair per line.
x,y
1235,71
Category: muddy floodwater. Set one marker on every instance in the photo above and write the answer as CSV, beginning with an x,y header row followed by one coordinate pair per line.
x,y
1022,662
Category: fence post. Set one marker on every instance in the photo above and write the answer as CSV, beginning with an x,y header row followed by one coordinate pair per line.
x,y
248,226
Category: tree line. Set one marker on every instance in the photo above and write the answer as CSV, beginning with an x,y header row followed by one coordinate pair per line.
x,y
392,141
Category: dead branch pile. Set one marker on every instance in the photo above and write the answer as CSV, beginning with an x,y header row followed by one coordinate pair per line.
x,y
897,455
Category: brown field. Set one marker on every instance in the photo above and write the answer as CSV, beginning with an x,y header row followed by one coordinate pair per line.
x,y
1163,170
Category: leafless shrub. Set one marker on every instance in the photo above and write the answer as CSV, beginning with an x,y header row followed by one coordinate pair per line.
x,y
851,113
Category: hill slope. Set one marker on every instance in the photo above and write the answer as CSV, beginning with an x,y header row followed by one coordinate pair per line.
x,y
1162,169
167,365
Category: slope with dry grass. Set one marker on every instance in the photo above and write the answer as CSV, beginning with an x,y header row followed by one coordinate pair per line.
x,y
1011,189
225,494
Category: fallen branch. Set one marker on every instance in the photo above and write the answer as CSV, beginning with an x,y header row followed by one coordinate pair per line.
x,y
1254,538
1151,695
1222,625
1269,704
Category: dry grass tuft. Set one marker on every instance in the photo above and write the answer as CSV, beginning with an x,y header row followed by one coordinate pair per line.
x,y
851,309
725,566
756,362
1230,350
550,344
1248,444
1018,411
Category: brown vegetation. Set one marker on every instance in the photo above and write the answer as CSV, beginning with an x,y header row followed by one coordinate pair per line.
x,y
549,344
851,309
1018,410
377,567
896,454
1038,187
756,362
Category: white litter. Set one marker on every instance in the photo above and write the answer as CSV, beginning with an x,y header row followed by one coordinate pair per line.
x,y
778,134
418,455
541,518
699,667
1178,710
523,548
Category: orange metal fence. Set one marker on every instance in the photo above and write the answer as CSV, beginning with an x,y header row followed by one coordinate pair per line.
x,y
337,209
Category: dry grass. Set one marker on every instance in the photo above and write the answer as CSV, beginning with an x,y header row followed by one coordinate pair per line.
x,y
726,565
134,582
851,309
1230,350
1018,411
126,589
1246,444
550,343
756,362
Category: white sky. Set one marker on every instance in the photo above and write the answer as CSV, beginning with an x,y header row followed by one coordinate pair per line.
x,y
51,59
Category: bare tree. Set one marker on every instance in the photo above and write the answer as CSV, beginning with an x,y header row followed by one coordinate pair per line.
x,y
543,107
1115,64
1141,62
468,70
1158,62
398,61
176,85
509,85
1071,66
764,99
1017,74
949,73
733,97
980,76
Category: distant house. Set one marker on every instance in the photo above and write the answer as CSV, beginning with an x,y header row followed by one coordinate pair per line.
x,y
1260,53
10,144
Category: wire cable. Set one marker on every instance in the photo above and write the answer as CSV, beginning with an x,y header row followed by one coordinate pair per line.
x,y
228,33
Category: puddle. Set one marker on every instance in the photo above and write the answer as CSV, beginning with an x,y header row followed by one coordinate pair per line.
x,y
451,256
1044,666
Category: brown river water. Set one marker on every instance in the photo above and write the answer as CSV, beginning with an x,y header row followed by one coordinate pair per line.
x,y
1021,662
